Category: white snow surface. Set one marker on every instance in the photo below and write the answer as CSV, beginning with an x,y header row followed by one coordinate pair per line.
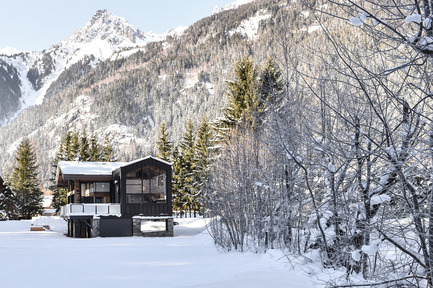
x,y
189,259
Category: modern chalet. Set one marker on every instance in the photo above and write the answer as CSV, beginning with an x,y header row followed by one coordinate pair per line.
x,y
110,199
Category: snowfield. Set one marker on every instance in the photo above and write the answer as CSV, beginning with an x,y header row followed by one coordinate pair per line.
x,y
190,259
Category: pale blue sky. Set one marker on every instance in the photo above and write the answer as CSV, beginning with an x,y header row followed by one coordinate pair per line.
x,y
34,25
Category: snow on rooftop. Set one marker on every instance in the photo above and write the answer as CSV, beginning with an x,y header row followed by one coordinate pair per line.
x,y
97,168
89,168
147,157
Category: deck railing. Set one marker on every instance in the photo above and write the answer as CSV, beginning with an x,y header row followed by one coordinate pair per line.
x,y
88,209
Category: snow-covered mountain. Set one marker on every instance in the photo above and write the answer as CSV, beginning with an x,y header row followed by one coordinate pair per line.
x,y
28,75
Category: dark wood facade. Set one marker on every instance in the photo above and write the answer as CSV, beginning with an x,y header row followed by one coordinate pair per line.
x,y
145,208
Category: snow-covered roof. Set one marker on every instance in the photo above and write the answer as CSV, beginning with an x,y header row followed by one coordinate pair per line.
x,y
89,168
78,170
145,158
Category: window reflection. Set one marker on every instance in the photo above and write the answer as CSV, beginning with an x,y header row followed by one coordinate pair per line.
x,y
146,185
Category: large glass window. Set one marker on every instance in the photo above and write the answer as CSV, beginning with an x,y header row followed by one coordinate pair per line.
x,y
102,187
146,185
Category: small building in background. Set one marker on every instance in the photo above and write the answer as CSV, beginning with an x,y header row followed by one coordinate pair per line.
x,y
110,199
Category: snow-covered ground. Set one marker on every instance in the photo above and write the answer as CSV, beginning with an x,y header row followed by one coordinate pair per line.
x,y
50,259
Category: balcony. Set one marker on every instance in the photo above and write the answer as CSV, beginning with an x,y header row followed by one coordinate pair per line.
x,y
87,209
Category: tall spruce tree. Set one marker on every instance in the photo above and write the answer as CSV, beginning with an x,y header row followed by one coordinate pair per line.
x,y
24,183
68,154
75,145
270,87
95,149
178,183
243,100
164,145
187,149
203,148
84,147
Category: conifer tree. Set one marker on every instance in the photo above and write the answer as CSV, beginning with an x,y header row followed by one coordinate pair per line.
x,y
84,147
178,183
203,155
60,155
24,183
8,202
164,145
187,149
75,145
108,151
68,154
243,101
270,87
95,150
60,198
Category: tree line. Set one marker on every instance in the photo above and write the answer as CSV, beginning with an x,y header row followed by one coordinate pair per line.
x,y
21,195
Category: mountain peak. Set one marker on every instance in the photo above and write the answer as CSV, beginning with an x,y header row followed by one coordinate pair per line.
x,y
100,14
109,27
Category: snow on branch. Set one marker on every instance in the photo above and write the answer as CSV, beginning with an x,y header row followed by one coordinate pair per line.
x,y
413,18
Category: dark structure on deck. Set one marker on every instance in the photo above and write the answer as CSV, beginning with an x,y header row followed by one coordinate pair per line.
x,y
110,199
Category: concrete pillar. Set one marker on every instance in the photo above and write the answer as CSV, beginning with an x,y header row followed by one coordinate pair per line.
x,y
96,227
170,229
136,226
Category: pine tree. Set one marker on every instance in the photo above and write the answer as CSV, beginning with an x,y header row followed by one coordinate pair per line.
x,y
203,155
60,155
243,101
60,198
84,147
75,145
178,182
95,150
164,145
108,151
187,149
24,183
68,154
